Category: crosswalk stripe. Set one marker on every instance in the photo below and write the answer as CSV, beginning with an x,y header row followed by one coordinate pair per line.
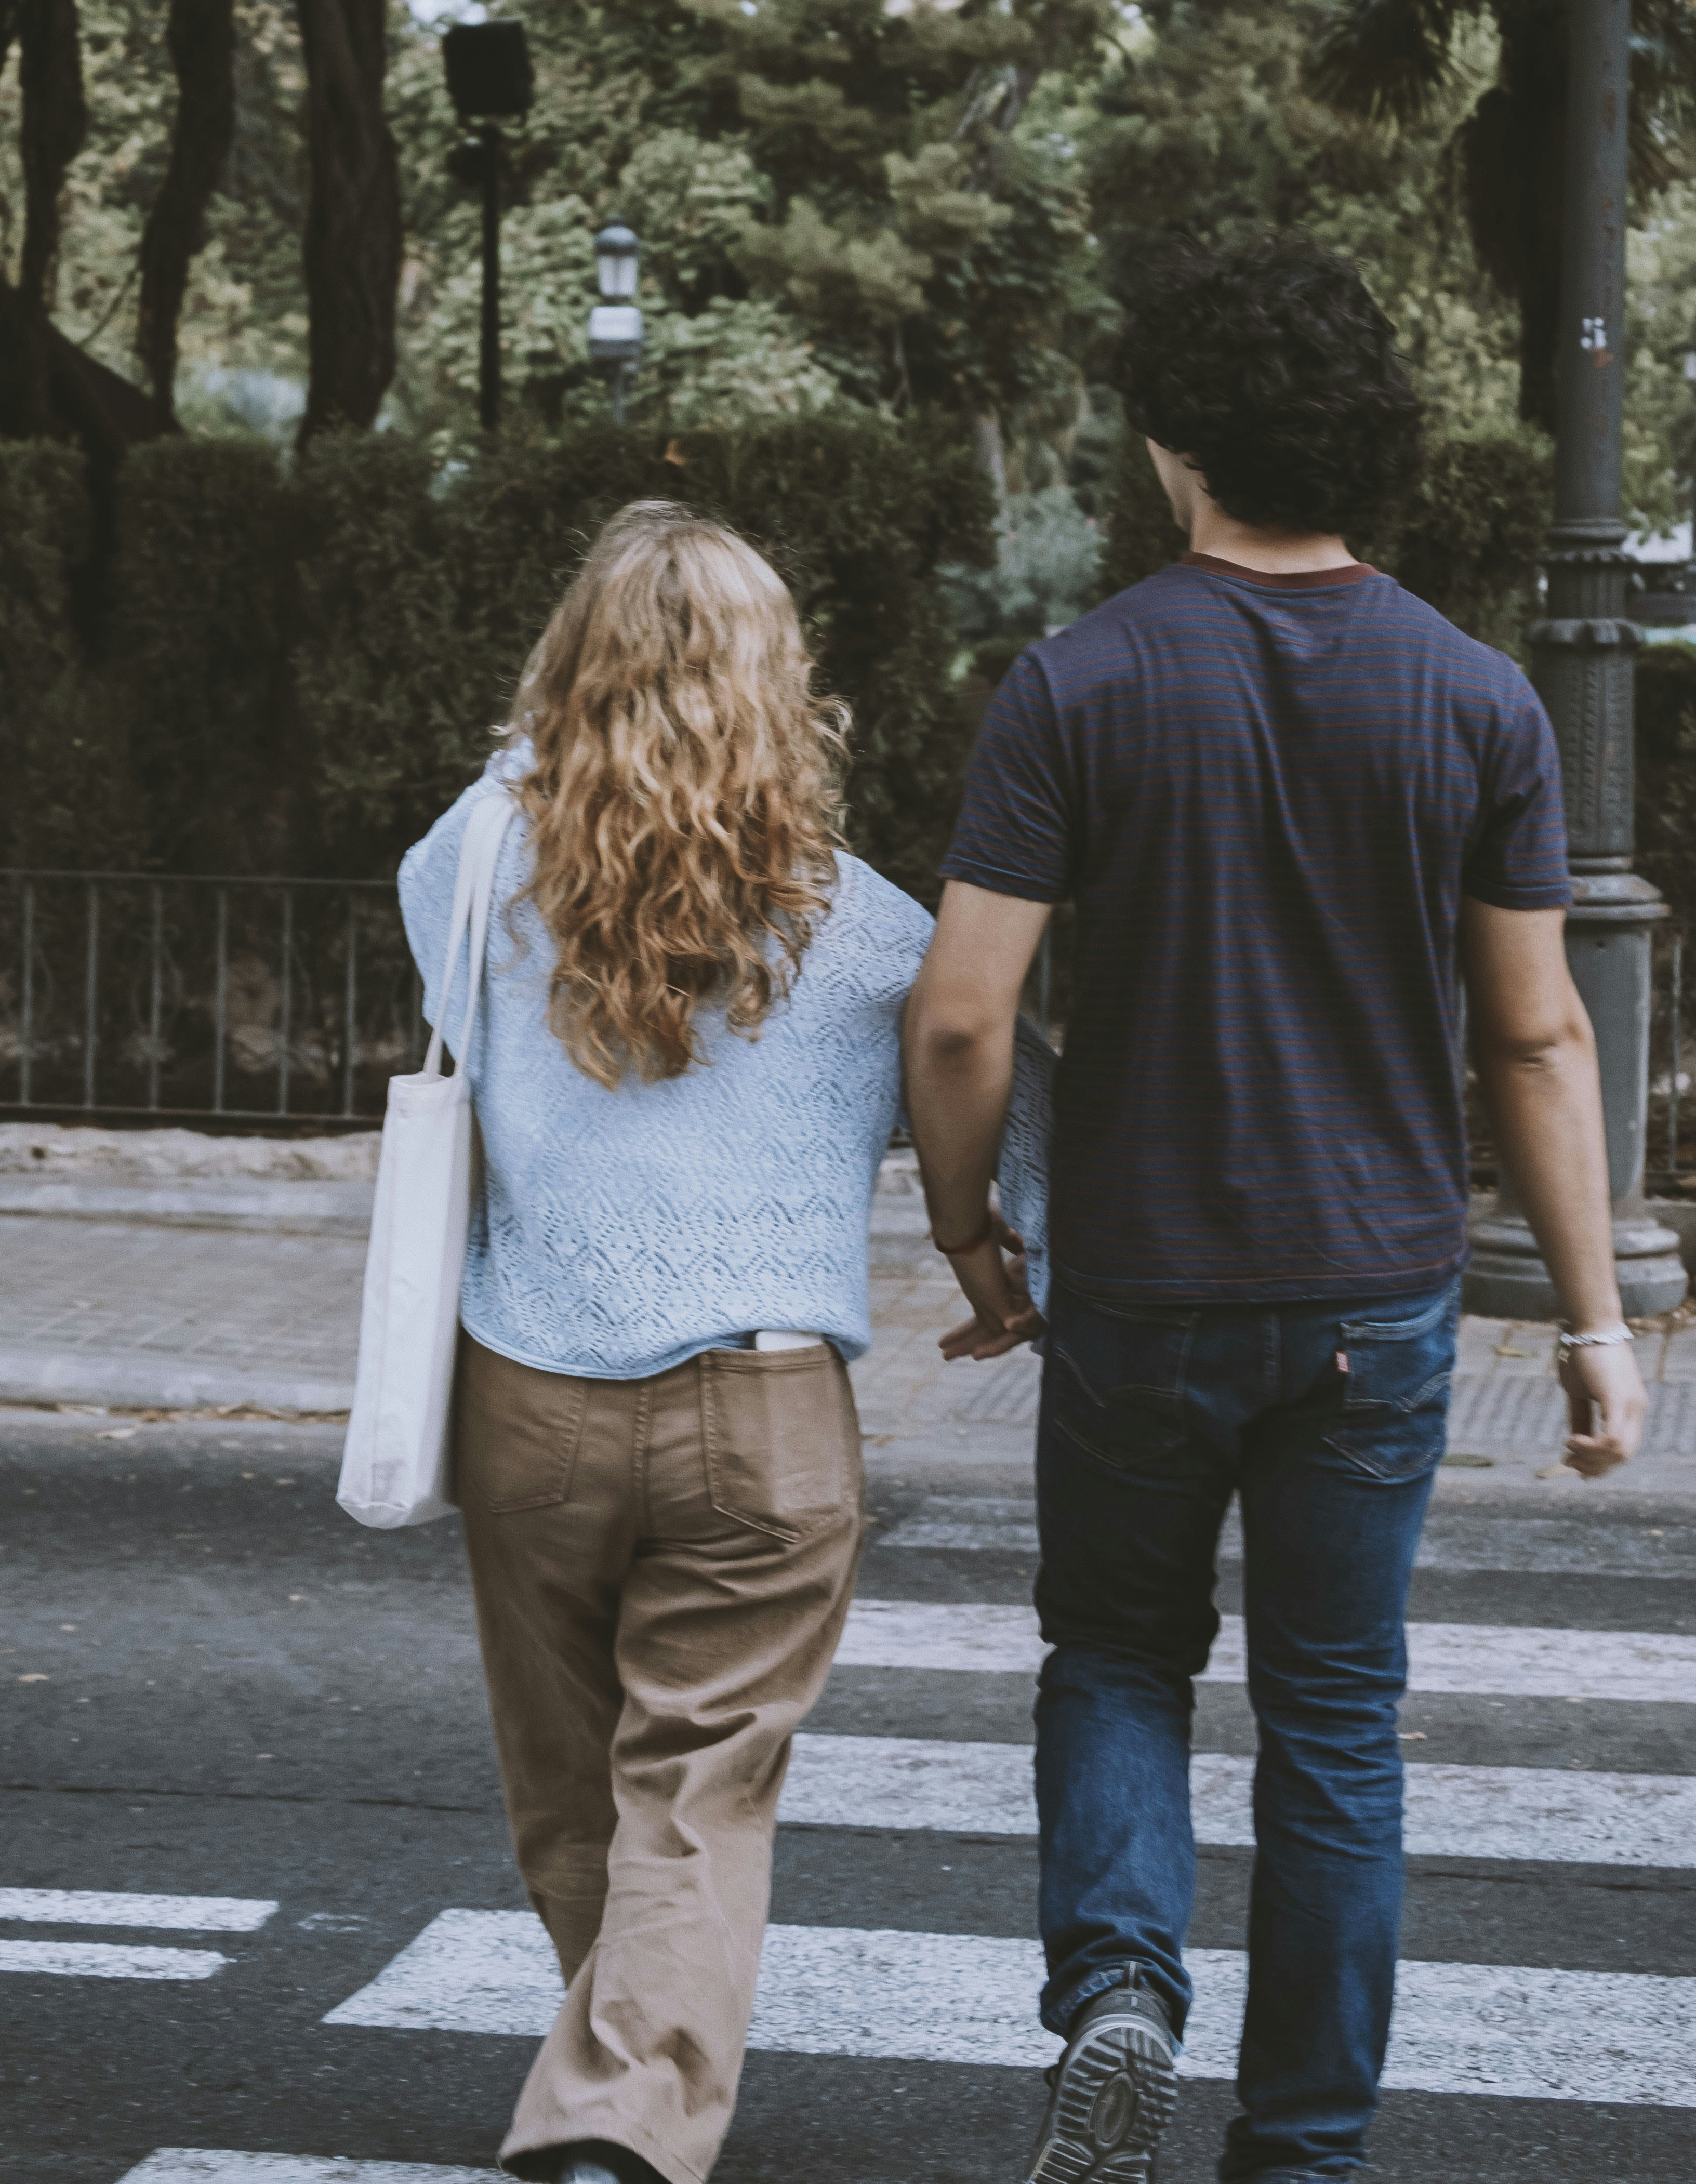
x,y
1453,1538
89,1907
192,2164
109,1960
1532,1813
1512,2031
1504,1660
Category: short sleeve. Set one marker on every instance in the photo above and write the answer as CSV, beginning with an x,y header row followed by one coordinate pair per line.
x,y
1517,860
1014,833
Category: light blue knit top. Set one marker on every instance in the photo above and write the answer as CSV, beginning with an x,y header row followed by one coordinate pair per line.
x,y
619,1233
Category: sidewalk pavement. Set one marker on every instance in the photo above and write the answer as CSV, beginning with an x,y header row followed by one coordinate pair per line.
x,y
132,1314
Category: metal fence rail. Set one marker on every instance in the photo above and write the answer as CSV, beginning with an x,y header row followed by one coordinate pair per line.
x,y
266,1002
1668,1073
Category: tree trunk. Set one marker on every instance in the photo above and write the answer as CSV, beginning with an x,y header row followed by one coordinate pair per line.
x,y
55,122
202,38
353,223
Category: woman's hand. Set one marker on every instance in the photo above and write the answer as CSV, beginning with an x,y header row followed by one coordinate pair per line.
x,y
1003,1315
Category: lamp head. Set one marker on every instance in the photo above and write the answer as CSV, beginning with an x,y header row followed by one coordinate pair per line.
x,y
489,75
616,254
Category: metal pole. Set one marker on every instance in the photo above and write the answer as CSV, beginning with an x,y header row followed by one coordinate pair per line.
x,y
488,357
220,1001
90,995
154,998
1582,663
350,1019
26,1042
1675,1041
287,1025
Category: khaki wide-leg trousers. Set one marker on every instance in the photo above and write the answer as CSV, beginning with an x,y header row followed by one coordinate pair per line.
x,y
661,1569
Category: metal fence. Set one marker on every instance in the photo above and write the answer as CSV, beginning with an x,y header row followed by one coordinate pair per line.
x,y
264,1003
271,1004
1669,1075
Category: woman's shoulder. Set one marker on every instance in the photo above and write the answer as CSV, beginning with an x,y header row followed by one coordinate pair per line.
x,y
875,907
437,857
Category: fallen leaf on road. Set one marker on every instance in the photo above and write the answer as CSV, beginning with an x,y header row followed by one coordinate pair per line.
x,y
118,1433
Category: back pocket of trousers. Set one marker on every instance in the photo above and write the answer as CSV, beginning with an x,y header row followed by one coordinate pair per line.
x,y
781,1437
1395,1409
1114,1378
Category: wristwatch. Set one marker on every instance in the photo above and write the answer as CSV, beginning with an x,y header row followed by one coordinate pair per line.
x,y
1568,1342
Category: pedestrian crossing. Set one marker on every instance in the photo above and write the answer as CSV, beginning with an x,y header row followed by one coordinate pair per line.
x,y
185,2164
91,1907
1537,1813
1515,2032
1484,1659
107,1960
1616,2038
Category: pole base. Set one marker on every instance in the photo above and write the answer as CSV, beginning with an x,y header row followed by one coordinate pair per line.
x,y
1507,1279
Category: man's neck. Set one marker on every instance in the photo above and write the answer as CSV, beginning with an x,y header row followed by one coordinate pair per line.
x,y
1277,553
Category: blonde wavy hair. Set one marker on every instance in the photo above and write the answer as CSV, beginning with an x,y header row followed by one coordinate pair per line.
x,y
684,799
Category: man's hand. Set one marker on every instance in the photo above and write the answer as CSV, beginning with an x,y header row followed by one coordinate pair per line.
x,y
958,1041
1606,1403
995,1289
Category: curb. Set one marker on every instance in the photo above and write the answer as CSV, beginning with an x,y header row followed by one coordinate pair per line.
x,y
307,1209
37,1374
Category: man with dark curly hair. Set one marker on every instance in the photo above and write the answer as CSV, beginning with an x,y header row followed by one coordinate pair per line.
x,y
1285,797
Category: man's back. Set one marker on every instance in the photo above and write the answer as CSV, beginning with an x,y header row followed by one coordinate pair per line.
x,y
1265,796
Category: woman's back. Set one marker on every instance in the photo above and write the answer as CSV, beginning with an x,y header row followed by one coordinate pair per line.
x,y
624,1230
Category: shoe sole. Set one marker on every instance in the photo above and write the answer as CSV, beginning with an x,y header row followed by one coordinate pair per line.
x,y
1116,2095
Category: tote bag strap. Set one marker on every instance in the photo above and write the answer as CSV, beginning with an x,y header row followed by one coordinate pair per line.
x,y
473,888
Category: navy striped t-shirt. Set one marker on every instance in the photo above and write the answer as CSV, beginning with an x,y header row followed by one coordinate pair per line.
x,y
1266,796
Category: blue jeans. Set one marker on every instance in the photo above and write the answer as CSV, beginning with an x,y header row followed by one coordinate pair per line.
x,y
1328,1420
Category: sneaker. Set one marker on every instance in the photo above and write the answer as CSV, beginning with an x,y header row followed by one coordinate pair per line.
x,y
1111,2094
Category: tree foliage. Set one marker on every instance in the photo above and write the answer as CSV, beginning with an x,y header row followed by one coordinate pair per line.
x,y
1397,62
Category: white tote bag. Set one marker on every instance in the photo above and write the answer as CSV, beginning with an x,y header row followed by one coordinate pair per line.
x,y
397,1461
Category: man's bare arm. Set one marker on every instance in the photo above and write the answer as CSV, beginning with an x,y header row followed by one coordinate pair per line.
x,y
958,1042
1536,1056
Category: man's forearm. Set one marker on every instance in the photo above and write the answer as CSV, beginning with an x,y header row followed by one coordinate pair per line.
x,y
958,1085
1546,1110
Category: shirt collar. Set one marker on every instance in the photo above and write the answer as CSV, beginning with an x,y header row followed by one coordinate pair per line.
x,y
1297,580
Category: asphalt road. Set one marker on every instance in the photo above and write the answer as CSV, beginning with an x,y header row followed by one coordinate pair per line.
x,y
213,1686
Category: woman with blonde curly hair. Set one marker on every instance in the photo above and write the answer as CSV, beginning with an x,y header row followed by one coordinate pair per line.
x,y
685,1073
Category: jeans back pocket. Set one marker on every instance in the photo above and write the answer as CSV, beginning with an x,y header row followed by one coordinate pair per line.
x,y
1114,1381
1394,1422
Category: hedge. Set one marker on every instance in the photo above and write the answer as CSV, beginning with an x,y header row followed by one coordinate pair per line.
x,y
294,668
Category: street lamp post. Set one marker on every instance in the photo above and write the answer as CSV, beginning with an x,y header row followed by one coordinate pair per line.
x,y
1581,662
615,325
489,80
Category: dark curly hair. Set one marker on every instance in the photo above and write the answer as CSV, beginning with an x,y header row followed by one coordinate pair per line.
x,y
1269,366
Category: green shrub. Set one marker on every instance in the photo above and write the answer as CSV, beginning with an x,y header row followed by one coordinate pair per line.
x,y
204,625
1470,540
67,798
305,662
1048,553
